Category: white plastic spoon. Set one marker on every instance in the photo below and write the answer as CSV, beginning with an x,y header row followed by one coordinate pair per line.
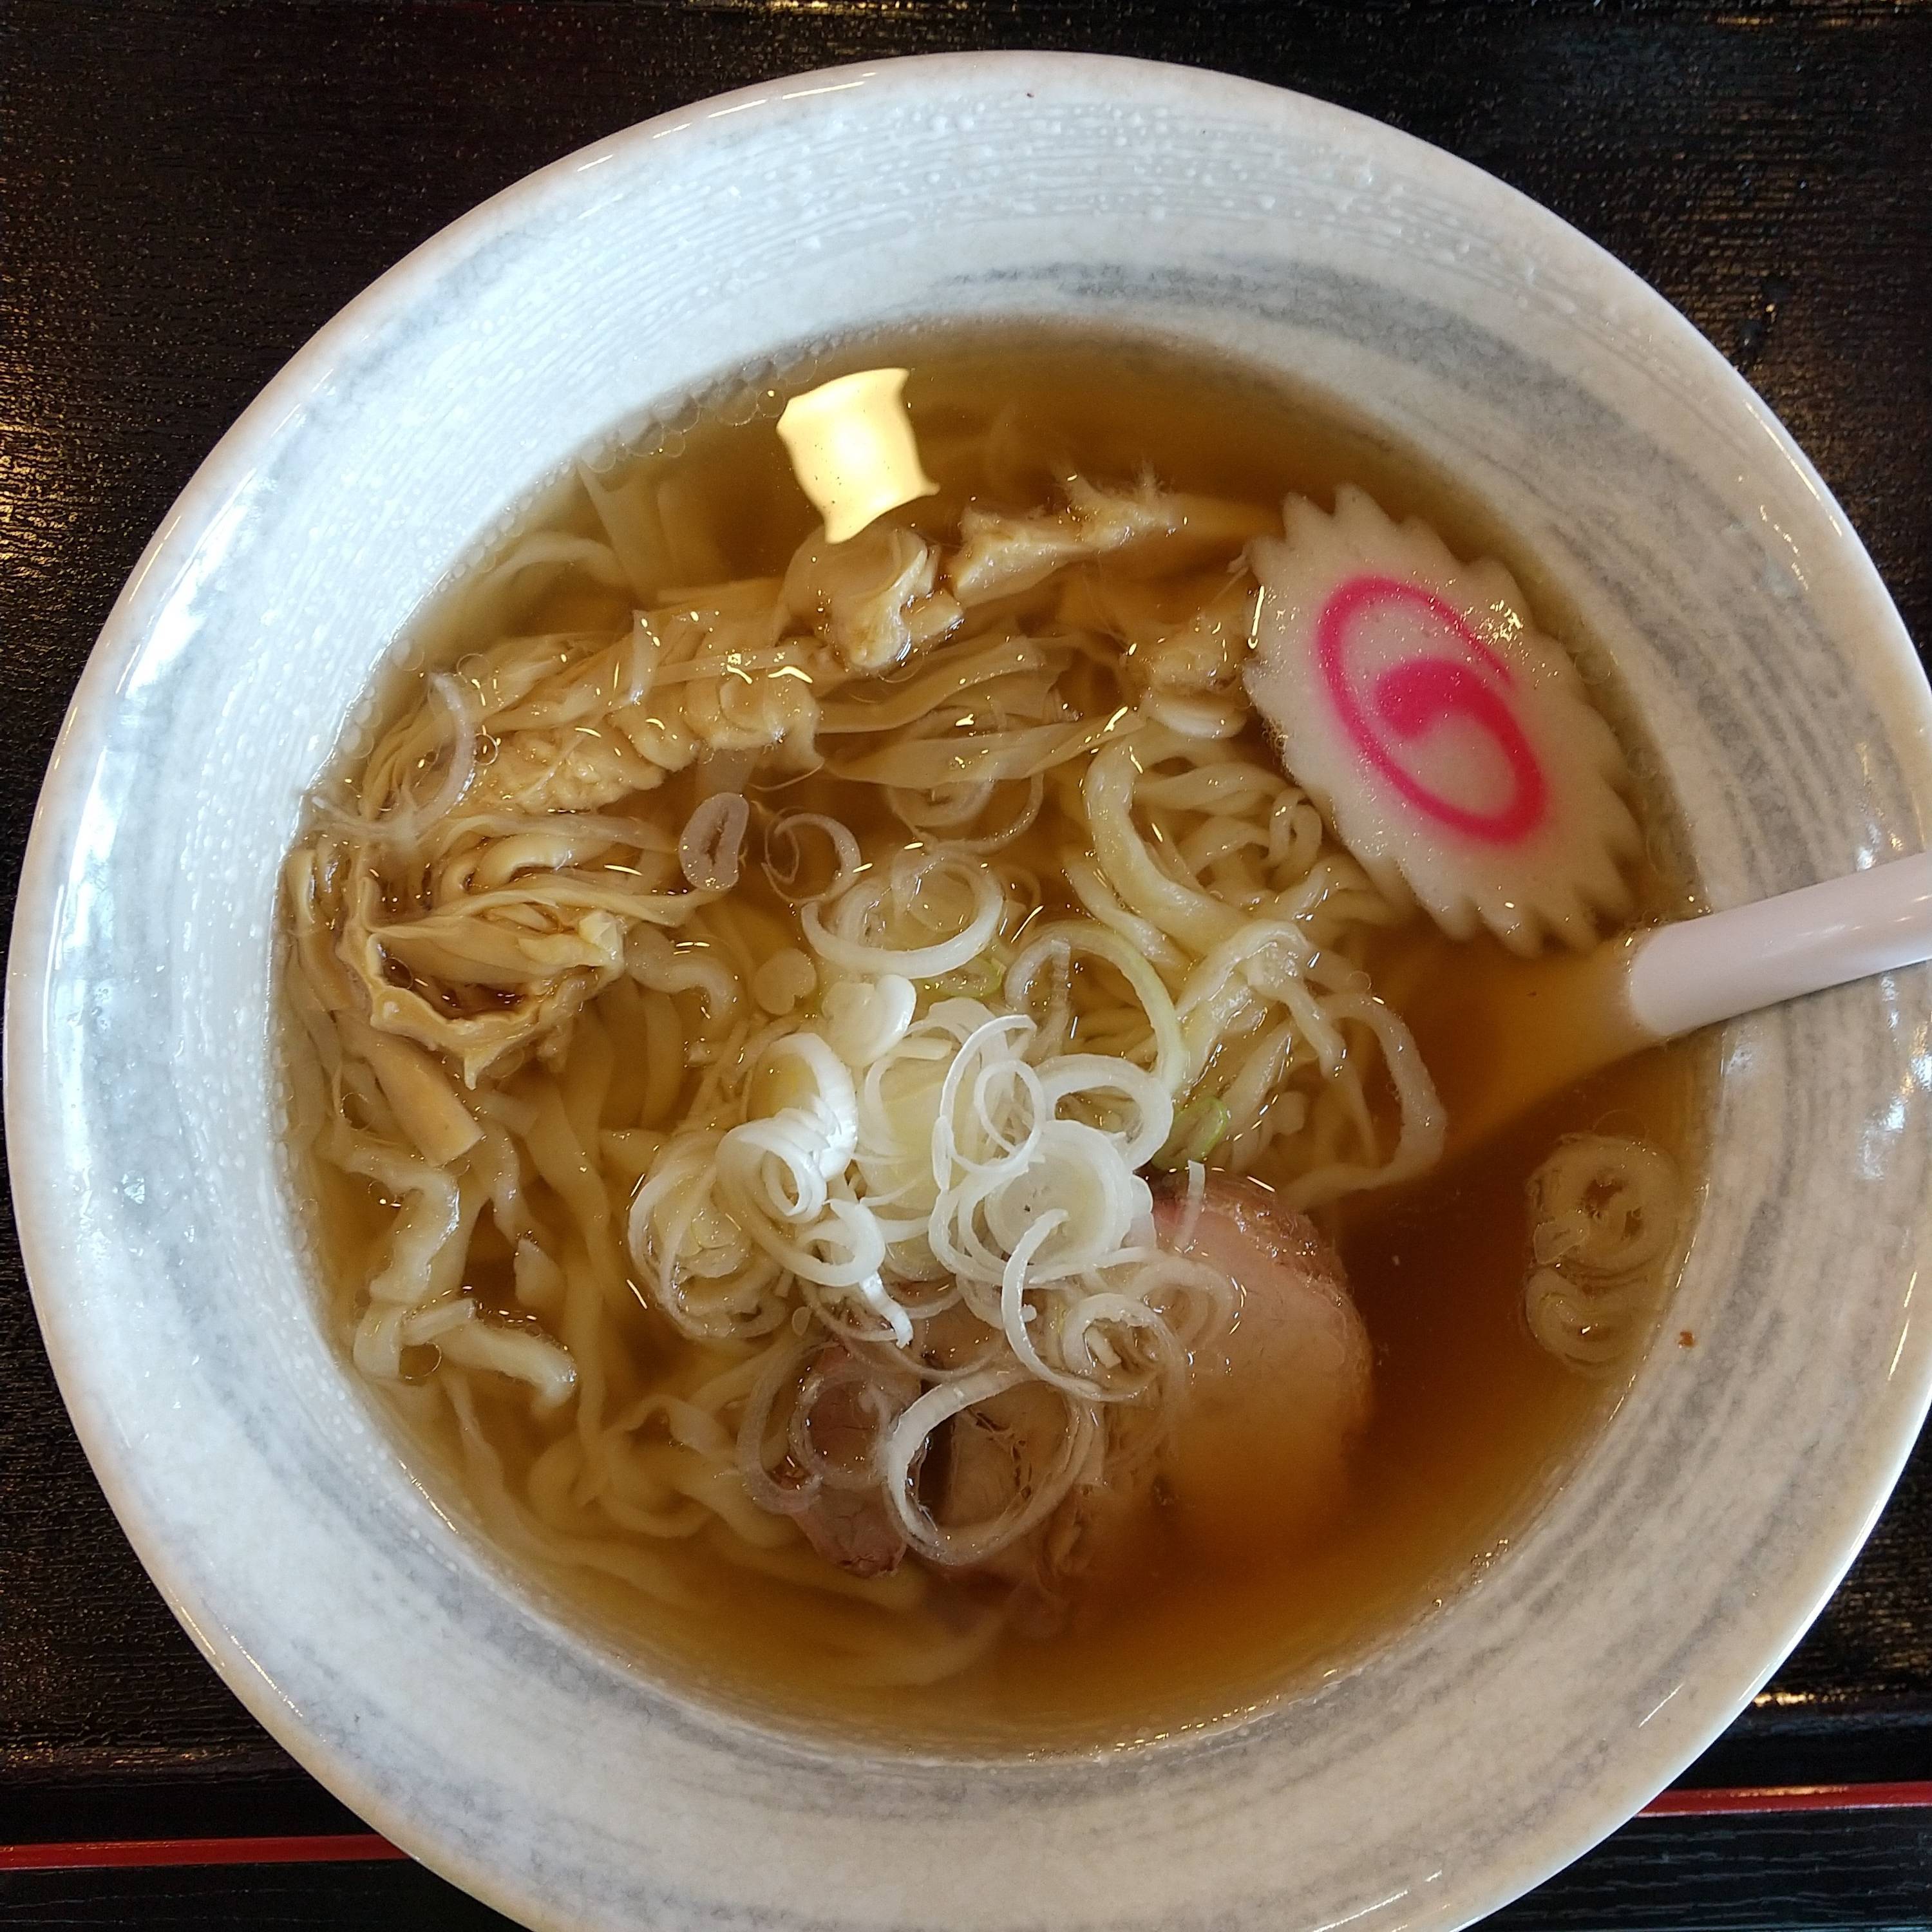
x,y
1544,1023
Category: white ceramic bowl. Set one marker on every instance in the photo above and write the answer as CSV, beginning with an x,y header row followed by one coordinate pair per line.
x,y
399,1660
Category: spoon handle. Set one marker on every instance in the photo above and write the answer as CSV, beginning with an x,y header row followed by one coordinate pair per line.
x,y
1685,975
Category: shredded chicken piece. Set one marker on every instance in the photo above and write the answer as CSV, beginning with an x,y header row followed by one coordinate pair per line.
x,y
535,706
570,769
1000,554
1209,651
428,1106
854,1527
991,1453
475,944
871,598
477,978
996,1450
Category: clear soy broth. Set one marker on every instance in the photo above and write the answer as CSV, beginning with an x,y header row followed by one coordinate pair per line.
x,y
1474,1423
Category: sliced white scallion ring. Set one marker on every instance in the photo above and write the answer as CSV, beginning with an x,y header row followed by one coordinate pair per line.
x,y
995,1028
405,827
779,1498
829,1102
714,835
974,1543
864,1019
916,962
1070,1073
782,865
1066,937
820,1383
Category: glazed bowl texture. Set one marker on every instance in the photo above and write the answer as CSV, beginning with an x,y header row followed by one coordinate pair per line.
x,y
384,1644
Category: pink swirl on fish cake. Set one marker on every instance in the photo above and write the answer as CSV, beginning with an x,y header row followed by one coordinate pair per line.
x,y
1412,697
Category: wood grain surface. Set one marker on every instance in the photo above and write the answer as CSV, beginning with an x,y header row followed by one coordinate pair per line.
x,y
192,189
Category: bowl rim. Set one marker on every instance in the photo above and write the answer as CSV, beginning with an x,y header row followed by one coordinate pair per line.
x,y
175,548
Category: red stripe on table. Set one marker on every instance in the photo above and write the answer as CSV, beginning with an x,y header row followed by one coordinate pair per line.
x,y
1719,1803
346,1847
356,1846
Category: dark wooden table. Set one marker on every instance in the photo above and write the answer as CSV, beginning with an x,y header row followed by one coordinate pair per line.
x,y
192,188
